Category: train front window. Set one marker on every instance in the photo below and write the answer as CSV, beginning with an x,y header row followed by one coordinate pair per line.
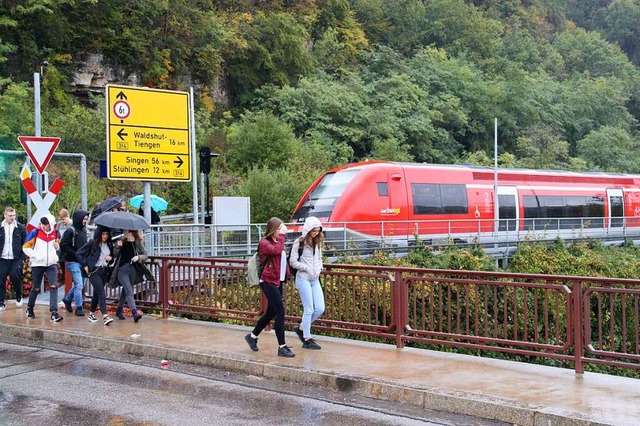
x,y
323,198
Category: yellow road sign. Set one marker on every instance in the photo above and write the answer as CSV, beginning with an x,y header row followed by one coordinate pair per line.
x,y
148,134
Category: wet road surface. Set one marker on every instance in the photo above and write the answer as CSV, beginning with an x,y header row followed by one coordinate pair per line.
x,y
57,385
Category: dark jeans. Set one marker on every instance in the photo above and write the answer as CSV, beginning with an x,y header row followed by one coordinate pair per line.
x,y
275,309
12,268
98,279
37,272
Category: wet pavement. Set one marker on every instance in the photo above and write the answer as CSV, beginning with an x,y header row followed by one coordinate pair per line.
x,y
517,393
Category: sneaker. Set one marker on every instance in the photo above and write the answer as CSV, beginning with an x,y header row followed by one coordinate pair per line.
x,y
285,352
67,305
311,344
30,313
253,343
297,330
55,317
2,307
92,318
79,312
106,320
19,303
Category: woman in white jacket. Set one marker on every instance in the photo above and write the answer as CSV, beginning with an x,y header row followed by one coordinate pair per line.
x,y
309,266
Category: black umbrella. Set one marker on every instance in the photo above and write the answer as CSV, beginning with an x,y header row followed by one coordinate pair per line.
x,y
107,205
122,220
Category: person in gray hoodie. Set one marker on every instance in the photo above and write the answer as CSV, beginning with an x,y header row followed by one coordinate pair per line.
x,y
309,266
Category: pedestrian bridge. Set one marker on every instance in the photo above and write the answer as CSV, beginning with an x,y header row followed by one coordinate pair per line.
x,y
560,320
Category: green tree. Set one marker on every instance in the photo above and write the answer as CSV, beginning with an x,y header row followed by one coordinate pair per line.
x,y
589,52
266,48
541,148
610,149
81,129
16,114
273,192
620,23
261,139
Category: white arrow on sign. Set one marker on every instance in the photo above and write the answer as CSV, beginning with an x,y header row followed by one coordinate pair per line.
x,y
39,149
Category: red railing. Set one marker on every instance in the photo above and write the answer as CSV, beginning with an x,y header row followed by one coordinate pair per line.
x,y
575,319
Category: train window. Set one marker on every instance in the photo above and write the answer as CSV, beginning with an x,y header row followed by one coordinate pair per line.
x,y
323,198
454,198
383,189
562,212
439,199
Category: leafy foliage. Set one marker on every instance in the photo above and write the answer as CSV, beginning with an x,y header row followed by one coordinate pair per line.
x,y
319,83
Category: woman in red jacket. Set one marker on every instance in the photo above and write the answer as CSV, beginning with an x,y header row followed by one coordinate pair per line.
x,y
274,272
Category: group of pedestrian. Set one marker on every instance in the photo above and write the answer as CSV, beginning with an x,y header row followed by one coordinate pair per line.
x,y
275,270
100,259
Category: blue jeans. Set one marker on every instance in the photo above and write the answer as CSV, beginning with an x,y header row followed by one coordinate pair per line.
x,y
312,302
78,284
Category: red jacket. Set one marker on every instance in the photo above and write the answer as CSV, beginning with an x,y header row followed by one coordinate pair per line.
x,y
273,251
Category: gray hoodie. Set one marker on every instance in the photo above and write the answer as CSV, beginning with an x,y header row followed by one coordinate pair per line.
x,y
309,265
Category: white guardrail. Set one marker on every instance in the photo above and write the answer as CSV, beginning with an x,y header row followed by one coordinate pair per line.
x,y
397,237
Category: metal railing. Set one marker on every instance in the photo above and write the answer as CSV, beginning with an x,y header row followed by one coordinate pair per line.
x,y
398,237
573,319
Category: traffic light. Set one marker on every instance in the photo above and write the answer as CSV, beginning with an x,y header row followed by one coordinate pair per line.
x,y
205,160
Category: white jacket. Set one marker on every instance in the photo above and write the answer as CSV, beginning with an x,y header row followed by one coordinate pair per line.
x,y
40,246
309,265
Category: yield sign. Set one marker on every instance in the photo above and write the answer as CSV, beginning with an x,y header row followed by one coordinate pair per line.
x,y
39,149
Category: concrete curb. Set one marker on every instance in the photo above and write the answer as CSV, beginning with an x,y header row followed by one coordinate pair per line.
x,y
471,404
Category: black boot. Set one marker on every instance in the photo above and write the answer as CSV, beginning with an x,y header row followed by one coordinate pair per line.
x,y
119,313
136,316
79,312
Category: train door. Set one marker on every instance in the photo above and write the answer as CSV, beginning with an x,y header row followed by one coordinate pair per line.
x,y
508,209
397,207
616,208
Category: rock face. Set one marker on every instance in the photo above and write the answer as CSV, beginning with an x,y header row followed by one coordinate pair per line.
x,y
92,75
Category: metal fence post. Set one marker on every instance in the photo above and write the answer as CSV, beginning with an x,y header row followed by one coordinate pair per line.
x,y
399,300
578,324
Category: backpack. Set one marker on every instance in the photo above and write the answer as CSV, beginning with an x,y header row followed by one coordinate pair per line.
x,y
293,270
254,270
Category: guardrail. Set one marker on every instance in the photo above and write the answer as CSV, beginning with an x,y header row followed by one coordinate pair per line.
x,y
398,237
575,319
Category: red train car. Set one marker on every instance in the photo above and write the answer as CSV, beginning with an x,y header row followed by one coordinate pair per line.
x,y
396,201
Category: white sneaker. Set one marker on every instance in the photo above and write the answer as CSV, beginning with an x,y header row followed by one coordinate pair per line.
x,y
19,302
2,307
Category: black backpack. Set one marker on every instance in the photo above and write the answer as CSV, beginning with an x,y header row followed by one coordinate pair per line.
x,y
293,270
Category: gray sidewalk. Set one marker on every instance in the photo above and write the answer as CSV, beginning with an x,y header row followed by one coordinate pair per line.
x,y
513,392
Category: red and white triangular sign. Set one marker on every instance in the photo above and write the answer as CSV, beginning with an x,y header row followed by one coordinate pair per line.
x,y
39,149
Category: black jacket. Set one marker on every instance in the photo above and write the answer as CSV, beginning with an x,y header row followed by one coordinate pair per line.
x,y
74,237
89,254
17,239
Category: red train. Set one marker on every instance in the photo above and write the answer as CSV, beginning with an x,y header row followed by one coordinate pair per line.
x,y
396,201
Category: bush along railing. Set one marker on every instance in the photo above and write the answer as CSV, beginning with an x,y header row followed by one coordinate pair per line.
x,y
571,319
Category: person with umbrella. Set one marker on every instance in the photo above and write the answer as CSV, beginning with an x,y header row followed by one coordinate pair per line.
x,y
130,253
129,269
155,218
